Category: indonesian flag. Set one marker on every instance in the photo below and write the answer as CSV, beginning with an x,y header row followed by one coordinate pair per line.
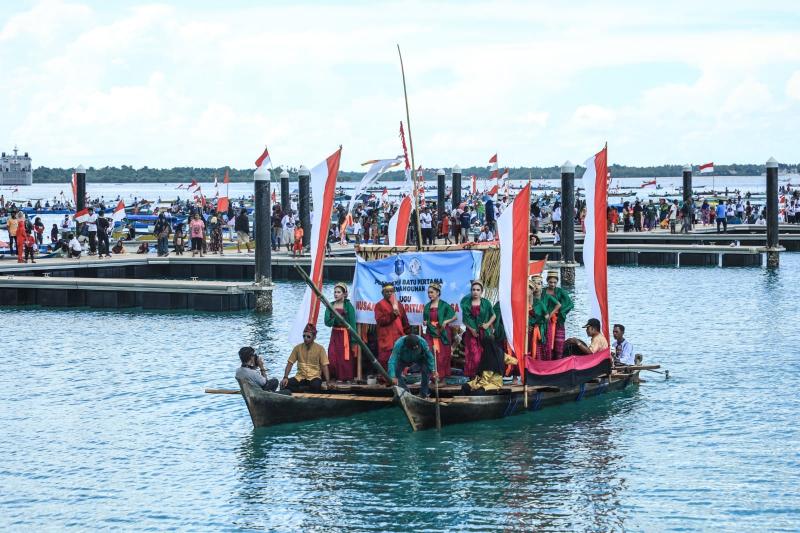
x,y
81,216
193,184
474,184
274,197
513,228
75,188
707,168
493,166
535,268
398,224
595,243
264,160
222,204
323,190
227,178
119,212
494,189
385,195
408,183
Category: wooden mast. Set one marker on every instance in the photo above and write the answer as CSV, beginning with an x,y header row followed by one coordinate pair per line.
x,y
411,147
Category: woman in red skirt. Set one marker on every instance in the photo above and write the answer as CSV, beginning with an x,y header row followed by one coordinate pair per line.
x,y
437,316
340,353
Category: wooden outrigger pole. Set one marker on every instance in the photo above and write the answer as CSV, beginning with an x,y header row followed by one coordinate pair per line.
x,y
411,147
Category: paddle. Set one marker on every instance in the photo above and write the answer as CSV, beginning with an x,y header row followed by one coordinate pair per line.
x,y
223,391
364,348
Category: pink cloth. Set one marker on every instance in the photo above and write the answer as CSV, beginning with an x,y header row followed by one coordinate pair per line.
x,y
196,229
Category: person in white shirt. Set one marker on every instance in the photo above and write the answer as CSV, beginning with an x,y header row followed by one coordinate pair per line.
x,y
75,248
91,226
673,216
621,348
287,230
425,221
486,235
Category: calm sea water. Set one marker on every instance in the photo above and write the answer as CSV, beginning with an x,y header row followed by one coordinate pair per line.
x,y
105,425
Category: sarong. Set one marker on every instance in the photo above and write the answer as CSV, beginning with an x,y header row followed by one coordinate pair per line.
x,y
472,353
342,363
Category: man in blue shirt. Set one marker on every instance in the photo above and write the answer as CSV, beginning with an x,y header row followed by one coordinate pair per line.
x,y
722,216
410,349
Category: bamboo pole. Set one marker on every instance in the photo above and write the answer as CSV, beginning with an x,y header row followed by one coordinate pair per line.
x,y
364,348
411,148
223,391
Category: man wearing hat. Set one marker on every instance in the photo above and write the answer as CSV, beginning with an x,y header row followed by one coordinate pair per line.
x,y
312,364
391,321
598,342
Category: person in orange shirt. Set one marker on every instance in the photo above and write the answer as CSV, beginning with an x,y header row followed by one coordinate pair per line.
x,y
298,240
391,321
22,235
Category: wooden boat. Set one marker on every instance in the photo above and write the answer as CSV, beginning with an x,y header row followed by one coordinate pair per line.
x,y
271,408
509,401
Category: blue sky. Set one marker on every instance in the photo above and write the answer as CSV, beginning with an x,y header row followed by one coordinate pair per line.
x,y
209,83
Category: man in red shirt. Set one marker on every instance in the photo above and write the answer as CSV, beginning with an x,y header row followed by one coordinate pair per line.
x,y
391,321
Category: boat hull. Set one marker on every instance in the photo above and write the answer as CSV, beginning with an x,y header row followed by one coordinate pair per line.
x,y
421,413
270,408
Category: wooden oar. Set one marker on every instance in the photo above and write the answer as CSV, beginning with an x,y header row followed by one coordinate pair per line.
x,y
223,391
364,348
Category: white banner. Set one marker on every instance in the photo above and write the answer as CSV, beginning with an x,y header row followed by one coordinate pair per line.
x,y
411,273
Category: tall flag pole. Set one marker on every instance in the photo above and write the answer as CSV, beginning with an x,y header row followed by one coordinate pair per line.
x,y
323,190
411,146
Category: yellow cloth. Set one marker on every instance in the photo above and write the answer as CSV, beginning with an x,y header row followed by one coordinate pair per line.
x,y
598,343
309,360
487,380
13,223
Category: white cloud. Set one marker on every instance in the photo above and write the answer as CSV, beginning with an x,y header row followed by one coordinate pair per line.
x,y
793,86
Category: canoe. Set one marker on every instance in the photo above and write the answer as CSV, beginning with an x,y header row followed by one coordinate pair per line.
x,y
270,408
421,413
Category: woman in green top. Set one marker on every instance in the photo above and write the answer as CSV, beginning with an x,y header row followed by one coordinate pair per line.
x,y
542,307
340,355
478,317
559,332
437,316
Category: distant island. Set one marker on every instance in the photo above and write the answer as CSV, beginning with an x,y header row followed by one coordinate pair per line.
x,y
128,174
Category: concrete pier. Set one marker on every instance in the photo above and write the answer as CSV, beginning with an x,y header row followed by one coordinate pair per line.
x,y
303,201
456,186
773,255
568,223
263,231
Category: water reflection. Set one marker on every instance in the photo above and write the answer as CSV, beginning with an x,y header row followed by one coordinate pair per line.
x,y
506,474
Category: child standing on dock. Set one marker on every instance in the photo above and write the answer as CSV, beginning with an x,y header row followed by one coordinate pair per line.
x,y
30,244
178,240
298,240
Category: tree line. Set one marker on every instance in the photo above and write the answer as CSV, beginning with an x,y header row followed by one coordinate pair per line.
x,y
129,174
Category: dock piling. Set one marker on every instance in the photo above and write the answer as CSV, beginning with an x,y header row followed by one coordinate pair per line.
x,y
568,223
456,187
773,257
263,230
80,193
687,183
440,186
285,202
304,195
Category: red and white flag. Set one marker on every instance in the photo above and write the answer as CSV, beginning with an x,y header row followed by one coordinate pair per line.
x,y
513,228
493,191
323,190
493,167
536,268
119,212
81,216
274,197
265,161
595,241
398,224
707,168
193,184
474,184
384,196
227,178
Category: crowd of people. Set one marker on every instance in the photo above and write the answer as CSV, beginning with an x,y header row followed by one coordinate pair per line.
x,y
483,356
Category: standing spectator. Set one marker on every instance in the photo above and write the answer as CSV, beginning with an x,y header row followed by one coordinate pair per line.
x,y
466,222
425,224
686,216
66,226
161,231
54,234
178,240
215,225
275,222
22,235
91,227
102,235
637,215
242,227
38,229
30,244
489,213
673,216
287,225
556,218
722,217
445,228
13,225
298,240
196,232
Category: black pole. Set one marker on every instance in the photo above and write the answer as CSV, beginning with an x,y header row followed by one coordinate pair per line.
x,y
456,186
304,196
687,183
772,213
285,201
262,226
80,194
440,186
568,213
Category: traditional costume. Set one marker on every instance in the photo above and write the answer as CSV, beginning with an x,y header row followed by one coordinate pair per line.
x,y
473,316
340,353
538,326
390,327
439,341
556,334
